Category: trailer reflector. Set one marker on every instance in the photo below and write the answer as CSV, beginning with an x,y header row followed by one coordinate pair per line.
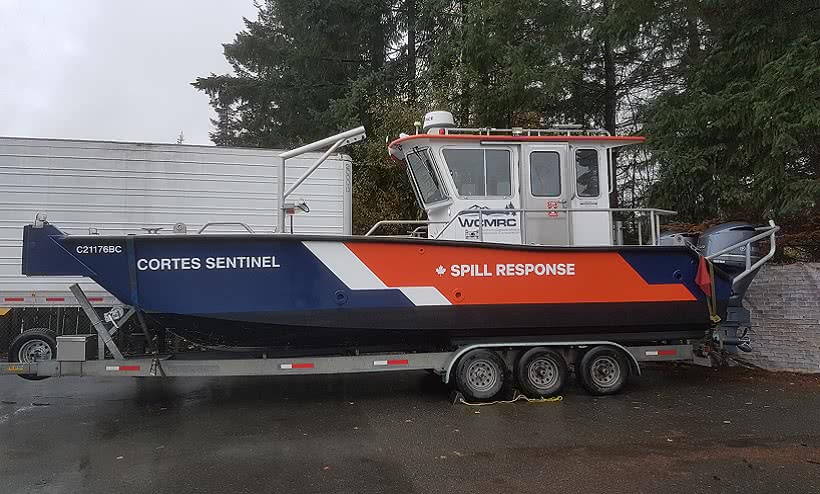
x,y
660,353
55,299
14,299
296,365
122,368
391,362
95,299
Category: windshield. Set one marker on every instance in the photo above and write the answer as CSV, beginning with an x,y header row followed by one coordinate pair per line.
x,y
480,172
424,176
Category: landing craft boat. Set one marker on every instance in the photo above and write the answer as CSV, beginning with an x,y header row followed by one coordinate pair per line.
x,y
492,263
520,244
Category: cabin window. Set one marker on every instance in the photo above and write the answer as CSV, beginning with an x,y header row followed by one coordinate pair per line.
x,y
480,172
586,173
545,174
426,179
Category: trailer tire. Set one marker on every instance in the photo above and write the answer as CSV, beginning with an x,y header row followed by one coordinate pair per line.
x,y
541,372
480,374
33,345
604,370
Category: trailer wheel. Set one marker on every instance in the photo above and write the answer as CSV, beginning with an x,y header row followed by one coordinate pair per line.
x,y
604,370
480,374
33,345
542,372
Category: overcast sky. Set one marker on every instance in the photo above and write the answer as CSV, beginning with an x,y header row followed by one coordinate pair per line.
x,y
110,69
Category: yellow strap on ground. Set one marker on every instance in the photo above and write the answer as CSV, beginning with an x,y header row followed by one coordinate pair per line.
x,y
4,311
517,397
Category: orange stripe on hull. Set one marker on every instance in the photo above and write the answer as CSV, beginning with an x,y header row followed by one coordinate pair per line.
x,y
472,275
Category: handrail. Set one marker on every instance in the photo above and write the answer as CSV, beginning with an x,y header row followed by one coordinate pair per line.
x,y
490,131
400,222
769,232
481,212
225,223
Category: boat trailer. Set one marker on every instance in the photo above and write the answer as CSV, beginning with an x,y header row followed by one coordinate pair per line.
x,y
75,356
75,360
479,367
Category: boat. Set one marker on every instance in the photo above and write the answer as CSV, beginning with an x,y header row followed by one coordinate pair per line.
x,y
520,242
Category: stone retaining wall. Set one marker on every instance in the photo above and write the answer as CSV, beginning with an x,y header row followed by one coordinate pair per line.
x,y
785,305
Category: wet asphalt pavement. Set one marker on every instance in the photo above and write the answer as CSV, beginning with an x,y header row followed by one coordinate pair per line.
x,y
674,430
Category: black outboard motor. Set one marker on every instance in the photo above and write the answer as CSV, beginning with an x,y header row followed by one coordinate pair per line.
x,y
734,327
733,262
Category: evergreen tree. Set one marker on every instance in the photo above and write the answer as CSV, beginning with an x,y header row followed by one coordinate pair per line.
x,y
726,90
292,64
739,137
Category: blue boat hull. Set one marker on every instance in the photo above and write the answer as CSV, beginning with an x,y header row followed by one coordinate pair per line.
x,y
286,290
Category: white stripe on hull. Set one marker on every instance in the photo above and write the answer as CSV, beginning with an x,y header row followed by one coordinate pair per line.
x,y
424,295
345,265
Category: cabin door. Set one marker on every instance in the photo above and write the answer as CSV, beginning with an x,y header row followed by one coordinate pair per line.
x,y
544,187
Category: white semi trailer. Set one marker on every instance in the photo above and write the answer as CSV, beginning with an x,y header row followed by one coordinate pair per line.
x,y
131,187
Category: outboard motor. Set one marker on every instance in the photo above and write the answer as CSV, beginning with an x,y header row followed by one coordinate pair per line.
x,y
733,262
733,330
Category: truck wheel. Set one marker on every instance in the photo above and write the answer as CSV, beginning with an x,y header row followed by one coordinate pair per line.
x,y
604,370
33,345
542,372
480,374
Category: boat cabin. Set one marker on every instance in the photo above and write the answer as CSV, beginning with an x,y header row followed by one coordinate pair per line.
x,y
532,186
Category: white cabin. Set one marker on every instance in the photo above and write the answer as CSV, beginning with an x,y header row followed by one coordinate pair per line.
x,y
531,186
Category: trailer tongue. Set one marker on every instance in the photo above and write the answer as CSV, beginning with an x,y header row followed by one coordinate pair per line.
x,y
520,267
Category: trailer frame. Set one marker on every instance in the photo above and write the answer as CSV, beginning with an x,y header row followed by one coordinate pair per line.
x,y
167,365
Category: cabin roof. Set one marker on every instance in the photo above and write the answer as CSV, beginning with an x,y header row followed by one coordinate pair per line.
x,y
623,140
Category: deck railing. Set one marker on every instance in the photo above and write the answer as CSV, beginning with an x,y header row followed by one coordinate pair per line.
x,y
767,231
654,216
419,223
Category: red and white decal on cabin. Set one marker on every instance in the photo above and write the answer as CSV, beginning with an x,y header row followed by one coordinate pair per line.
x,y
552,205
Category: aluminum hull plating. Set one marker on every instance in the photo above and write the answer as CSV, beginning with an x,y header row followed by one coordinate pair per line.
x,y
435,328
275,290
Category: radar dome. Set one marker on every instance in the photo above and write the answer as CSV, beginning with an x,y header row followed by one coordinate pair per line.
x,y
438,120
